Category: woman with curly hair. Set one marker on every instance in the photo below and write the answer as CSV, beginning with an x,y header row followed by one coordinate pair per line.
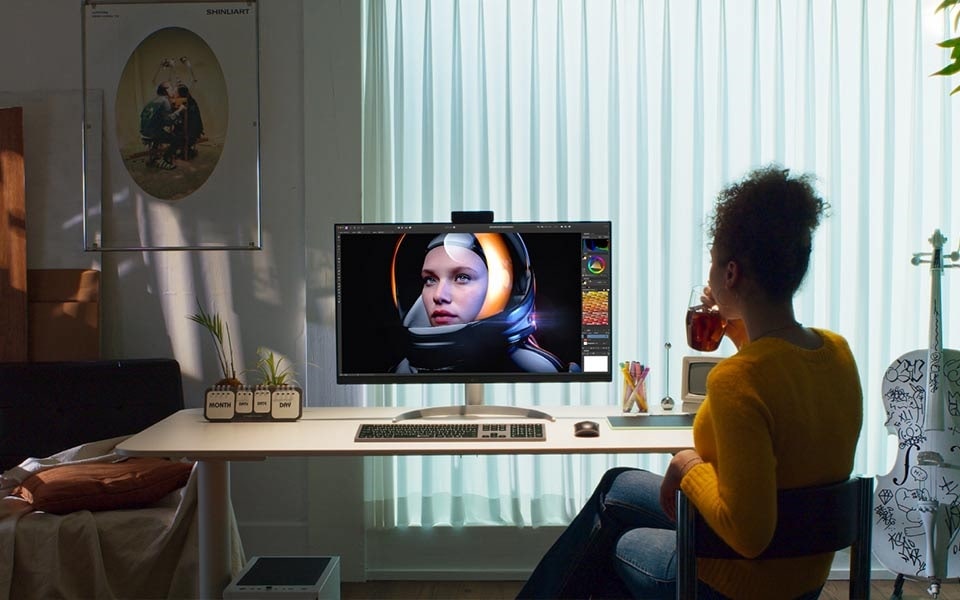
x,y
783,412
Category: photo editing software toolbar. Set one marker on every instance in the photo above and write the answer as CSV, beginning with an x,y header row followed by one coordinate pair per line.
x,y
597,343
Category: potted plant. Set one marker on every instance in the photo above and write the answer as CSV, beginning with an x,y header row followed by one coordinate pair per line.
x,y
220,332
271,369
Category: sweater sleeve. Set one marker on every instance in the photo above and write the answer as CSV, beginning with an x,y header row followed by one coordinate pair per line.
x,y
736,488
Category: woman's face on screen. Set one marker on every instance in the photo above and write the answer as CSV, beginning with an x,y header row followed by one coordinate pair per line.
x,y
454,285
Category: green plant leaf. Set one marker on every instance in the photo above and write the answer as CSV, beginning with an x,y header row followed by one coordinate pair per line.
x,y
215,326
955,90
271,369
945,4
951,43
950,69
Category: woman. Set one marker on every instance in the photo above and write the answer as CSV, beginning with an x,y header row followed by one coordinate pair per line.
x,y
454,276
189,129
475,308
783,412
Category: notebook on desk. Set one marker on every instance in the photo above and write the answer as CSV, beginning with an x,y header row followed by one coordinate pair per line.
x,y
648,421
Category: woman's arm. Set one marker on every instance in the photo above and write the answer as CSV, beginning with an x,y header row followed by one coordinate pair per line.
x,y
680,464
736,492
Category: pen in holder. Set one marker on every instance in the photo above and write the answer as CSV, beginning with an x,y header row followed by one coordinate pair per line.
x,y
634,386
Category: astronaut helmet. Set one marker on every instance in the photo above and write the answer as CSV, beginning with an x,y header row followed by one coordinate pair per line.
x,y
505,316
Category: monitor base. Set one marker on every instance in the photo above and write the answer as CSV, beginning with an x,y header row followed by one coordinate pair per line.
x,y
473,410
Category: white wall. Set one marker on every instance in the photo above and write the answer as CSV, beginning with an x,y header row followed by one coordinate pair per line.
x,y
310,178
281,297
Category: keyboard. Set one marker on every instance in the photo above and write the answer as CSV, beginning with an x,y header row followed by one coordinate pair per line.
x,y
450,432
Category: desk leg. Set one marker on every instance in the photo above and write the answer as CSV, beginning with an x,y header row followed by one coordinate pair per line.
x,y
213,520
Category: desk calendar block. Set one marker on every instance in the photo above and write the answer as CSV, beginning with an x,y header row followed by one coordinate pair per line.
x,y
253,403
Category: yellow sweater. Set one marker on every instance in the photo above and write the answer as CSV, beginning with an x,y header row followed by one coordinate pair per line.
x,y
776,416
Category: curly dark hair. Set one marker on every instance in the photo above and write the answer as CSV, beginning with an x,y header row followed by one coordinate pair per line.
x,y
766,222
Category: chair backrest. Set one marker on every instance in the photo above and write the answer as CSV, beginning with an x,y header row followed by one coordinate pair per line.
x,y
810,520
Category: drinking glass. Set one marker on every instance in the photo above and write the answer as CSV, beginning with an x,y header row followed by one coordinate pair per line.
x,y
704,324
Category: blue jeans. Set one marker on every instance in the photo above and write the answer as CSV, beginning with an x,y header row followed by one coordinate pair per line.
x,y
620,545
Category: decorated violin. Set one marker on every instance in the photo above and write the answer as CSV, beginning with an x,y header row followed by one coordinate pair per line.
x,y
917,505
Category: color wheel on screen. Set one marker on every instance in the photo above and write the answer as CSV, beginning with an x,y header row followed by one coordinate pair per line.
x,y
596,265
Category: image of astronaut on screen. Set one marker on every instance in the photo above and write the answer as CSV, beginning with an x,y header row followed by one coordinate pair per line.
x,y
472,308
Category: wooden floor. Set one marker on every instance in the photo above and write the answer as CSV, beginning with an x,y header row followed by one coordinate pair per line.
x,y
507,590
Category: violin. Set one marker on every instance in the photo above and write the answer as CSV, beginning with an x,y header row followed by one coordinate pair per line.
x,y
917,505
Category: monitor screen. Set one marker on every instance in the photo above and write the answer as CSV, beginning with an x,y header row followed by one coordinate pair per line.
x,y
473,302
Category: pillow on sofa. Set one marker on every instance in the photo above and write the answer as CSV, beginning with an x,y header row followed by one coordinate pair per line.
x,y
132,483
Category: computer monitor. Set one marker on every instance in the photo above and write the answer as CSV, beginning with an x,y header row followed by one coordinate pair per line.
x,y
473,303
693,379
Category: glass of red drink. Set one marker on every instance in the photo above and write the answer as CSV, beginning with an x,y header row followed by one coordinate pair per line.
x,y
704,324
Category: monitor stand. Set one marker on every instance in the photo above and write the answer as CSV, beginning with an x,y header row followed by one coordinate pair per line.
x,y
474,407
473,392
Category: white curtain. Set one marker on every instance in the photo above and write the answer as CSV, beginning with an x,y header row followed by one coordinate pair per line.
x,y
639,111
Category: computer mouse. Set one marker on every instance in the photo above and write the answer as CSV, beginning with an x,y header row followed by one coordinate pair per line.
x,y
586,429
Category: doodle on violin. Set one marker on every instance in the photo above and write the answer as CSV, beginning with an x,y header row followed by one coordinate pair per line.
x,y
951,372
899,521
917,506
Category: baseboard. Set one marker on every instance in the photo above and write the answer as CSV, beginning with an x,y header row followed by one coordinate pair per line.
x,y
447,554
479,574
841,568
839,572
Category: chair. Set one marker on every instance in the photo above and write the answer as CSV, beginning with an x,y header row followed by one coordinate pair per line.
x,y
809,521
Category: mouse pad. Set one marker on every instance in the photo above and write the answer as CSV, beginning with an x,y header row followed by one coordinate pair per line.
x,y
645,421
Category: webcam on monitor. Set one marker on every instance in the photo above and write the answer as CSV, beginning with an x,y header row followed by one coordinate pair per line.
x,y
471,216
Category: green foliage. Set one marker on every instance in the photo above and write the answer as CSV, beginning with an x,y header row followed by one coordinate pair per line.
x,y
953,44
217,328
271,369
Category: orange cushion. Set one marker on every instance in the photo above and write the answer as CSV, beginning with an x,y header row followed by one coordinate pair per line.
x,y
132,483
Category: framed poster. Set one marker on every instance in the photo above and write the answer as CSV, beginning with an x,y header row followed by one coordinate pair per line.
x,y
173,163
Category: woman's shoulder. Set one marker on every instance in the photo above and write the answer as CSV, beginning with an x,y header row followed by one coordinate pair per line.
x,y
829,334
824,345
832,341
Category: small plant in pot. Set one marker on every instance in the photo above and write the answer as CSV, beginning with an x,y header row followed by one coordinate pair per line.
x,y
271,369
220,332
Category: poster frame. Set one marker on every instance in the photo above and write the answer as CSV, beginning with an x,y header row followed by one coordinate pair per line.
x,y
205,196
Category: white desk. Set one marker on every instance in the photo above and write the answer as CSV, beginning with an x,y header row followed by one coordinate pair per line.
x,y
330,432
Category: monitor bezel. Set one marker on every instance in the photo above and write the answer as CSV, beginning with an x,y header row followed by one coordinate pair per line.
x,y
603,227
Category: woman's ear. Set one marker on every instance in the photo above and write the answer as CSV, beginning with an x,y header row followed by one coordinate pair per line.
x,y
732,274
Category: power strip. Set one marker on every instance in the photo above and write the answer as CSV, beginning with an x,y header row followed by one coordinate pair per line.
x,y
253,403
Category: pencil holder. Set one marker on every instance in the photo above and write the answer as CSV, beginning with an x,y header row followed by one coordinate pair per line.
x,y
634,394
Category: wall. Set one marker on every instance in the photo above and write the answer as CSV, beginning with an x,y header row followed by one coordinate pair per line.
x,y
310,178
280,297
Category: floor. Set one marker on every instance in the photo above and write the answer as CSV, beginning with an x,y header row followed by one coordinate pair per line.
x,y
504,590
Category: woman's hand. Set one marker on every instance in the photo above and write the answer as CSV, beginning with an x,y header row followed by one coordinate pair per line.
x,y
735,329
681,462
